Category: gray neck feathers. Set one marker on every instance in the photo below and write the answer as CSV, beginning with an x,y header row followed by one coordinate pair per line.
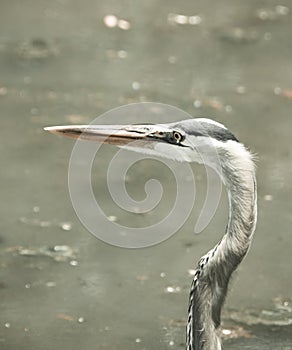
x,y
209,287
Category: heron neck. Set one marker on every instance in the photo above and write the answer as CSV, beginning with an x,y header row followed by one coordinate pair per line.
x,y
214,270
241,187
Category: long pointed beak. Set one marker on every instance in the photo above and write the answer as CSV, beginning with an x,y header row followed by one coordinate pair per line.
x,y
162,140
118,135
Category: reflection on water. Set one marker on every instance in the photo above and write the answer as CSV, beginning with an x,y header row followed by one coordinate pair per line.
x,y
67,62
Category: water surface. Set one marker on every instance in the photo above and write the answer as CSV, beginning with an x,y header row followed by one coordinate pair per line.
x,y
60,64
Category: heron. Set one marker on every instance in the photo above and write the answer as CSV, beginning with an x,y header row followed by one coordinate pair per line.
x,y
195,140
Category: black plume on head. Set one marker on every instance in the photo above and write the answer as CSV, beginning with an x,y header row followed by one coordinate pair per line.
x,y
204,128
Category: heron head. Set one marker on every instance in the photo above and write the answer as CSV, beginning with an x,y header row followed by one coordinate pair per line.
x,y
191,140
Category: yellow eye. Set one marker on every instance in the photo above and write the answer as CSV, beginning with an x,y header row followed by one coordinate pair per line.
x,y
177,136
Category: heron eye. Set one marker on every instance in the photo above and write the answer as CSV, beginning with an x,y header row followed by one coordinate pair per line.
x,y
177,136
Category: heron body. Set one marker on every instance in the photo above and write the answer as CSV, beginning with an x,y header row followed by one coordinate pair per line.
x,y
204,141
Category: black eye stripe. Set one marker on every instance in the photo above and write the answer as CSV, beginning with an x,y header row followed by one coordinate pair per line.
x,y
204,129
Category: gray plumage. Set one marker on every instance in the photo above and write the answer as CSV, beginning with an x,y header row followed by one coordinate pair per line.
x,y
203,141
209,287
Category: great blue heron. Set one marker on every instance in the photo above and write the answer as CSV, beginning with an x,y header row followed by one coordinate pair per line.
x,y
195,140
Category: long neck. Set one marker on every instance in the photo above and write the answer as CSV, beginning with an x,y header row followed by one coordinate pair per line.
x,y
214,270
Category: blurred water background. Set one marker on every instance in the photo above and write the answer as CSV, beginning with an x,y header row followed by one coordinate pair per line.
x,y
68,61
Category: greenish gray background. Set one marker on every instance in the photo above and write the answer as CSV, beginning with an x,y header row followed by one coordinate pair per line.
x,y
60,64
